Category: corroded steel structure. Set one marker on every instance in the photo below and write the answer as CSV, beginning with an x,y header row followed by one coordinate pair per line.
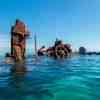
x,y
58,50
19,33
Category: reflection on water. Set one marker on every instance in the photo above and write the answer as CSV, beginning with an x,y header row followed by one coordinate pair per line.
x,y
19,68
76,78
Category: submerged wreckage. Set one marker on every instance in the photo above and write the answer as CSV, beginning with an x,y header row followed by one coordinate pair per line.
x,y
58,50
19,34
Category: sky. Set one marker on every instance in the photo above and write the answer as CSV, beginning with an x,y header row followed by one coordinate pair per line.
x,y
74,21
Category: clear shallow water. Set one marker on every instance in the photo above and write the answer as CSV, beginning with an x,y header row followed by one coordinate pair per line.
x,y
76,78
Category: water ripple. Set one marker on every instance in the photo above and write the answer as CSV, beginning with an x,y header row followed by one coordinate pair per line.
x,y
75,78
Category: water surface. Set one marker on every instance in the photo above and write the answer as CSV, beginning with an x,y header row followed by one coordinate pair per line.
x,y
76,78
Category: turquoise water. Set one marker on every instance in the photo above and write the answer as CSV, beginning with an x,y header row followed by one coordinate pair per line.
x,y
76,78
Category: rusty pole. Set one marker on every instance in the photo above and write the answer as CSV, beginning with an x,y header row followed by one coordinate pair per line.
x,y
35,45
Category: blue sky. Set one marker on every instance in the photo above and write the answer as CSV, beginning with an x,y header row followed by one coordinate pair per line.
x,y
75,21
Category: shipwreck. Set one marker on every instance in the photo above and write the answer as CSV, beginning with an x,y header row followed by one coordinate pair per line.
x,y
58,50
19,34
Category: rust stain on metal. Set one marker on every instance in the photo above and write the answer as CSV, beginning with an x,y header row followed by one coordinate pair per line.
x,y
19,33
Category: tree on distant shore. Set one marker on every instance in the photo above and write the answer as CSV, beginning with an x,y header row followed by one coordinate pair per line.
x,y
82,50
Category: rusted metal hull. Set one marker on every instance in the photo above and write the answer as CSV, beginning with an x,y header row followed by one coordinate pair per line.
x,y
58,51
18,41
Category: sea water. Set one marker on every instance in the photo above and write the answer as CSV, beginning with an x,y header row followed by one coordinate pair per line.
x,y
75,78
